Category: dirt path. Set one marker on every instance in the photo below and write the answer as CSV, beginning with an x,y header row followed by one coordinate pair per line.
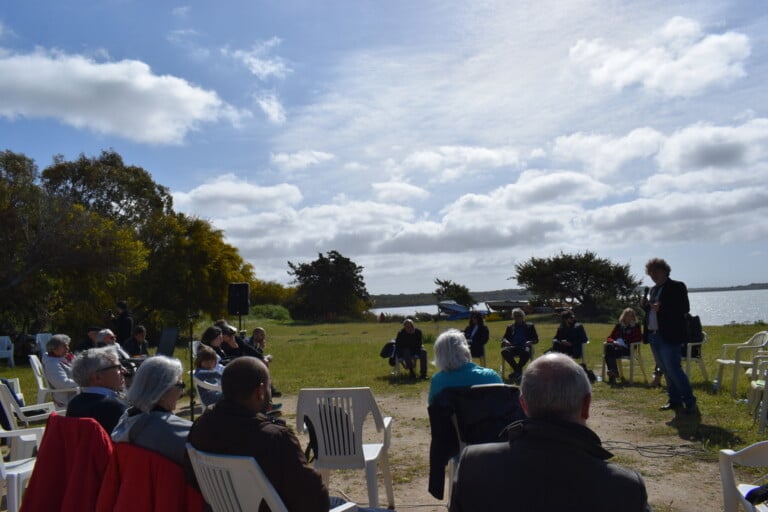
x,y
678,478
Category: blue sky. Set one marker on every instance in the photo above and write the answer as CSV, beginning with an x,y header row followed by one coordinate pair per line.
x,y
421,139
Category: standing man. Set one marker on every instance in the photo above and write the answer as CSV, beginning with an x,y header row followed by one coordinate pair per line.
x,y
516,344
666,329
552,460
408,345
123,322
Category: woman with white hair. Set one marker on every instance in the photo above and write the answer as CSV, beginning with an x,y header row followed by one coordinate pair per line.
x,y
456,369
151,422
57,367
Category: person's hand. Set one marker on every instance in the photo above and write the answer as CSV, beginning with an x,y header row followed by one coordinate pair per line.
x,y
656,306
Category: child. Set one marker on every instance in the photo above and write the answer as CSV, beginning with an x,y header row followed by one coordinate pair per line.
x,y
208,369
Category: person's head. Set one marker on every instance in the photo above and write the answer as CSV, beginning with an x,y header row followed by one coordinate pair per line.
x,y
451,350
92,332
567,318
211,336
206,358
140,333
628,317
122,306
408,325
106,337
555,386
246,381
58,345
157,382
476,318
98,367
518,315
227,331
658,270
259,335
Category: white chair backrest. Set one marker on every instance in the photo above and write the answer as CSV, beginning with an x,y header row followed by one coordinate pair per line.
x,y
37,371
9,405
337,416
41,339
5,343
755,455
231,483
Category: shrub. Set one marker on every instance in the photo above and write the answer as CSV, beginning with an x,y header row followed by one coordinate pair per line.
x,y
272,312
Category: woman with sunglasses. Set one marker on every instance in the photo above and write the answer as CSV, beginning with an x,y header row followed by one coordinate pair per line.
x,y
150,422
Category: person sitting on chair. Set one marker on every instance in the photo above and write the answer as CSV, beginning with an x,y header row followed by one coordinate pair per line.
x,y
100,376
477,335
516,343
208,369
408,345
617,345
455,367
232,345
552,460
57,367
570,336
136,345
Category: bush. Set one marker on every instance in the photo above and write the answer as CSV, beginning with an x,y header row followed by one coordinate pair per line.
x,y
272,312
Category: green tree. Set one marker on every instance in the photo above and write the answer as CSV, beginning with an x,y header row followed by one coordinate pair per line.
x,y
328,288
595,284
269,292
448,290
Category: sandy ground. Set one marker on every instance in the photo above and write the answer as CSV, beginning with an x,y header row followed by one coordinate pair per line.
x,y
678,476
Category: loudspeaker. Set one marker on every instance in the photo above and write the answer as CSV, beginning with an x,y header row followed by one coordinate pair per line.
x,y
239,299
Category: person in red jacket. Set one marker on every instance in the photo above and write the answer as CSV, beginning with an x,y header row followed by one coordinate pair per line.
x,y
617,345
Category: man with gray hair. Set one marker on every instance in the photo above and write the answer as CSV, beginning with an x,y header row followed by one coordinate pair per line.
x,y
552,460
99,374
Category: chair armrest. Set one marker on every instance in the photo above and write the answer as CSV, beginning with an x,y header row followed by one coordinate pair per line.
x,y
46,407
349,506
725,346
737,356
387,431
14,384
36,431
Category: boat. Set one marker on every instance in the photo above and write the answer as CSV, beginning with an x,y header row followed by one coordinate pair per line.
x,y
455,311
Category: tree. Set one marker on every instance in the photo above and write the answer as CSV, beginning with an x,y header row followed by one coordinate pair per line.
x,y
328,288
595,284
448,290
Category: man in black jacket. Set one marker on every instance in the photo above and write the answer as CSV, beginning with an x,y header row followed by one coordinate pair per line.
x,y
666,330
552,461
408,344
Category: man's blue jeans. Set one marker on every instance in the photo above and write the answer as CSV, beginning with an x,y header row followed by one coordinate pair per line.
x,y
668,358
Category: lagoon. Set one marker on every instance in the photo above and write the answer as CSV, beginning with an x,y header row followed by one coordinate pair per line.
x,y
714,308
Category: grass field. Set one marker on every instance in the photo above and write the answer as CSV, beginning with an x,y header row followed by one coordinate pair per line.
x,y
347,354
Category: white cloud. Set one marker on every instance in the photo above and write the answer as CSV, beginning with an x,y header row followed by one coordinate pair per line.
x,y
300,159
258,61
185,38
121,98
398,192
449,163
181,11
677,60
272,107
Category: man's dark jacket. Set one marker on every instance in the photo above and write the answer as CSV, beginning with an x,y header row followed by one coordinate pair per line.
x,y
546,465
673,326
104,409
231,429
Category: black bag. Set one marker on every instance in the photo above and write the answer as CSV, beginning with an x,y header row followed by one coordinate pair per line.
x,y
695,334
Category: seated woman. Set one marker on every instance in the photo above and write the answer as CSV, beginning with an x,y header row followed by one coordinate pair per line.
x,y
150,422
212,338
455,367
57,367
208,369
617,345
570,336
477,335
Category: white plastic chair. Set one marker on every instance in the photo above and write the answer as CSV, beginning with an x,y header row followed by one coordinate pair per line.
x,y
41,339
16,413
231,483
205,385
688,357
337,416
754,456
15,475
742,358
6,350
44,390
635,356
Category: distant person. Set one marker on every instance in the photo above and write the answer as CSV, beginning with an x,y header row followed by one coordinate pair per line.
x,y
517,344
455,367
477,335
258,341
666,329
122,323
408,345
212,338
89,340
107,338
552,460
137,345
57,367
624,333
208,369
100,376
570,337
232,345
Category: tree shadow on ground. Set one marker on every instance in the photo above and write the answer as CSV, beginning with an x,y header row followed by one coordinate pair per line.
x,y
691,428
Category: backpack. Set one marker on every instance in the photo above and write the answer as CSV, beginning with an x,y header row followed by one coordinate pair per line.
x,y
695,333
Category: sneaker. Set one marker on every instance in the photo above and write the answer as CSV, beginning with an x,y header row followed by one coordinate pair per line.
x,y
276,393
670,406
656,382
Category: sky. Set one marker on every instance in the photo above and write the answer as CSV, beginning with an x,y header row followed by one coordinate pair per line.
x,y
431,139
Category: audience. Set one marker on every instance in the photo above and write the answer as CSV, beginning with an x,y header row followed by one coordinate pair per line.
x,y
552,460
106,338
150,422
100,376
516,345
57,367
617,345
477,335
455,367
408,345
232,345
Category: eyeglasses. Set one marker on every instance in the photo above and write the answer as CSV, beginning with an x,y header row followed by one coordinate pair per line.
x,y
113,367
181,385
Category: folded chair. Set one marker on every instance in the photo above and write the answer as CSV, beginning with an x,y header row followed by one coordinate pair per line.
x,y
232,483
337,416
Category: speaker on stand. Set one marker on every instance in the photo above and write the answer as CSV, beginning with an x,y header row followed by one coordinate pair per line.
x,y
239,301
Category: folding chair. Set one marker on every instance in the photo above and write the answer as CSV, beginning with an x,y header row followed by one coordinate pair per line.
x,y
695,352
734,493
337,416
232,483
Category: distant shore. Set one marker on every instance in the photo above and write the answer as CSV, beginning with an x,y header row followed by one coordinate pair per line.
x,y
418,299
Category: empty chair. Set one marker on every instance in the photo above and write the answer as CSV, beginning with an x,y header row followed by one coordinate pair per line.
x,y
337,416
41,339
233,483
23,414
635,356
6,350
44,390
742,358
734,493
694,351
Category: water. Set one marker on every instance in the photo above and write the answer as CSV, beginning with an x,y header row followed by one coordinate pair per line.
x,y
714,308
